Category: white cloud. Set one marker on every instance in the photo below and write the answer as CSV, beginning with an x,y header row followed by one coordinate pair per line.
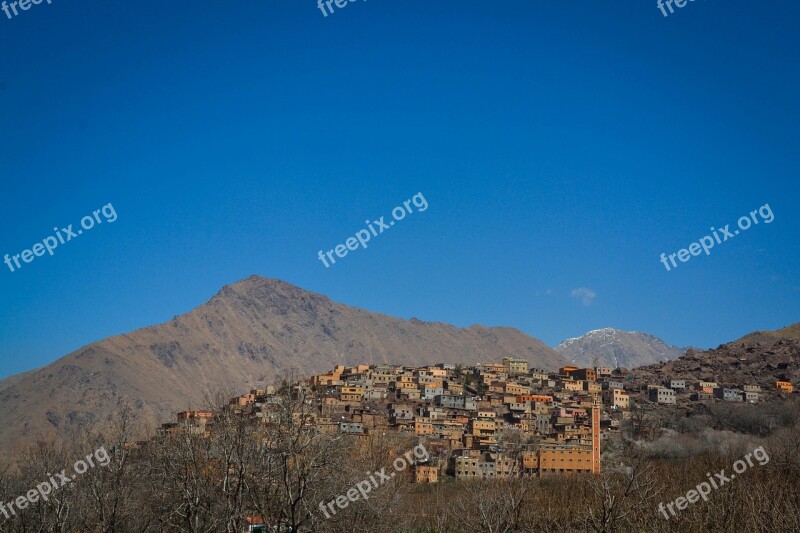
x,y
586,296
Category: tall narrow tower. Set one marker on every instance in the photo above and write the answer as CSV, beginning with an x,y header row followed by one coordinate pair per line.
x,y
595,435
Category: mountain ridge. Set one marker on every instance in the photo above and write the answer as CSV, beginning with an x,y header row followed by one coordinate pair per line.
x,y
249,333
615,348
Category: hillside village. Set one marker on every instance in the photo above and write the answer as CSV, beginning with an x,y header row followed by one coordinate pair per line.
x,y
492,420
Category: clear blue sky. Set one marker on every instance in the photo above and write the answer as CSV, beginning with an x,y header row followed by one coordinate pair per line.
x,y
560,145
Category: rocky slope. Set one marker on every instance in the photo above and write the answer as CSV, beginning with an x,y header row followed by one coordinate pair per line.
x,y
759,358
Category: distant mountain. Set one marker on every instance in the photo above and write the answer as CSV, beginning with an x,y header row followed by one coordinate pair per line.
x,y
251,333
759,358
614,348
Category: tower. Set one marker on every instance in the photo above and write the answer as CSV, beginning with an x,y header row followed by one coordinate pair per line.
x,y
595,435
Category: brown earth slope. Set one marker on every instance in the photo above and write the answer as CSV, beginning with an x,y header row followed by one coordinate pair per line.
x,y
249,334
759,358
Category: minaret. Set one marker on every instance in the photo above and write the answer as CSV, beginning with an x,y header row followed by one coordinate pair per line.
x,y
595,435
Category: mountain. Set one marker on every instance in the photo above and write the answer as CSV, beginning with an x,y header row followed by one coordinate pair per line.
x,y
16,378
614,348
759,358
254,332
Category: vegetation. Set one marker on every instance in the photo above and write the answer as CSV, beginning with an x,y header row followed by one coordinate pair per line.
x,y
284,468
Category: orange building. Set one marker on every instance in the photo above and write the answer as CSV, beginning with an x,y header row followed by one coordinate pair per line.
x,y
331,378
616,398
426,474
423,426
536,398
481,427
558,459
513,389
592,387
573,386
246,399
493,367
567,459
195,415
352,394
433,371
706,386
586,374
785,386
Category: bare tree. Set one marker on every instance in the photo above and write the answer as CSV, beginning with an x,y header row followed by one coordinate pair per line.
x,y
619,493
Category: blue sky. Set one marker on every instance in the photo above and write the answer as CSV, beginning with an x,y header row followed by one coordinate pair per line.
x,y
560,146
